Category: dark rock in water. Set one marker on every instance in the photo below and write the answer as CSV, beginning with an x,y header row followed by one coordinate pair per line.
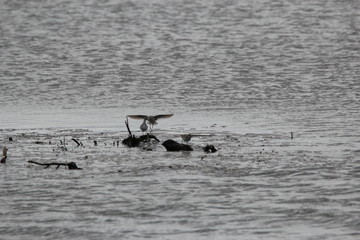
x,y
174,146
132,141
210,149
10,139
73,166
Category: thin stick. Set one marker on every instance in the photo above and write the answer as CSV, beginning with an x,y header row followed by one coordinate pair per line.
x,y
3,159
127,126
71,165
77,142
48,164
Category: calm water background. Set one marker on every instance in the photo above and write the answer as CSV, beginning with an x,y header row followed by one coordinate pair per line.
x,y
248,72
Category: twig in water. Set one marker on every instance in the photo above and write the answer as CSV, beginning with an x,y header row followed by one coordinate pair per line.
x,y
3,159
76,141
70,165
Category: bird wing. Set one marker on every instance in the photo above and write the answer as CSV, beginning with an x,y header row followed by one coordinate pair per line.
x,y
137,116
163,116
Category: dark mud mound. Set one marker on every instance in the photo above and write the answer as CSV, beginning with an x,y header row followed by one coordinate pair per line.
x,y
210,149
133,141
174,146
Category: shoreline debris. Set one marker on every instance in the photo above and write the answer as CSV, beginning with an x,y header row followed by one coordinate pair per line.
x,y
70,165
77,142
4,157
133,141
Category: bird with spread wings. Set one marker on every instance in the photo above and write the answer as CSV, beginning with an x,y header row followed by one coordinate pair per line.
x,y
151,120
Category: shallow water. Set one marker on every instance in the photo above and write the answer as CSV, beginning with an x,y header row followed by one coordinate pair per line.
x,y
248,73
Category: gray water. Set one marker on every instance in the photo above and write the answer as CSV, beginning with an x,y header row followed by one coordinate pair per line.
x,y
244,73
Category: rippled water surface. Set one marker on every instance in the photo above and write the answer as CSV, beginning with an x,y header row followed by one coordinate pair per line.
x,y
244,73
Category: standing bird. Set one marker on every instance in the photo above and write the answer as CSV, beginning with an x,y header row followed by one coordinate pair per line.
x,y
150,119
187,137
144,126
